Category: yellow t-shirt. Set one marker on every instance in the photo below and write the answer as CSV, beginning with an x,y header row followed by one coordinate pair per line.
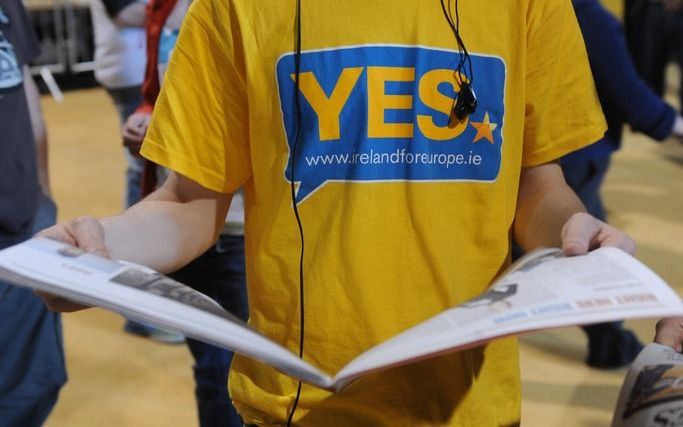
x,y
403,214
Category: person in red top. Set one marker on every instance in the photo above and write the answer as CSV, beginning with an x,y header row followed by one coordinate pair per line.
x,y
219,272
136,125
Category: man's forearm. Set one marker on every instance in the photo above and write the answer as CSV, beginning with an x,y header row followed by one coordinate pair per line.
x,y
544,205
166,230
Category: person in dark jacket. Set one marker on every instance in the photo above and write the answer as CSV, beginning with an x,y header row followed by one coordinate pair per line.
x,y
625,99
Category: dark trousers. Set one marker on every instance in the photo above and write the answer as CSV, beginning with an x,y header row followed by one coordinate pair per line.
x,y
635,28
220,274
585,177
655,37
126,100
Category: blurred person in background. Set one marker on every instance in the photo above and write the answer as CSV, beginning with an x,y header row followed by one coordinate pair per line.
x,y
220,271
120,57
654,30
119,66
635,12
625,99
31,351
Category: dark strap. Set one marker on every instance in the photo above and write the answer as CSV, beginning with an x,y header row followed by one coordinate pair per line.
x,y
149,179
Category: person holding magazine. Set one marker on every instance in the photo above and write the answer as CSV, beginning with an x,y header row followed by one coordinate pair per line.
x,y
651,393
384,171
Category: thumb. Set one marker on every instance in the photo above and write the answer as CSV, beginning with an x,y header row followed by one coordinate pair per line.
x,y
578,233
89,235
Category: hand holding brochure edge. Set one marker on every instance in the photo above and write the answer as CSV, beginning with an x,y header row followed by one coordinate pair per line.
x,y
86,233
669,331
141,294
651,394
542,290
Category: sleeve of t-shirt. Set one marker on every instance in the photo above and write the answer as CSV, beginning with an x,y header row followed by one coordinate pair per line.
x,y
113,7
563,112
26,46
200,123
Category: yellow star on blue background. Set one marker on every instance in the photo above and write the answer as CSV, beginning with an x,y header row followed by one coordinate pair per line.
x,y
484,129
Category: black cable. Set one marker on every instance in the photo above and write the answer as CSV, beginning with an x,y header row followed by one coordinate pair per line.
x,y
461,43
455,28
295,146
465,58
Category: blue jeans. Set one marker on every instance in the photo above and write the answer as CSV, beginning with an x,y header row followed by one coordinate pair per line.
x,y
585,177
127,100
32,368
220,274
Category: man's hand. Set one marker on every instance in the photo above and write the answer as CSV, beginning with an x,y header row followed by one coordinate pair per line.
x,y
86,233
583,232
669,331
549,214
165,231
134,131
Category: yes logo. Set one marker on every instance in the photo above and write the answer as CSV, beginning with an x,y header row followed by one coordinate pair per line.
x,y
381,113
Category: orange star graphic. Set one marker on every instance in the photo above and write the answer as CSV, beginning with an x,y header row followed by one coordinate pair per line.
x,y
484,129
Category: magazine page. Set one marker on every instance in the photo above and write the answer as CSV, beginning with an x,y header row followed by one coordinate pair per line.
x,y
652,393
141,294
542,290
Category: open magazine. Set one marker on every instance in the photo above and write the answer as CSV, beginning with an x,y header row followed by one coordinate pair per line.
x,y
542,290
652,393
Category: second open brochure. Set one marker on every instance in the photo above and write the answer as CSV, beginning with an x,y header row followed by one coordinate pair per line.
x,y
542,290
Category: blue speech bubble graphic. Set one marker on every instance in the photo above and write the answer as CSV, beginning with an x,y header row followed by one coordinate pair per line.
x,y
380,113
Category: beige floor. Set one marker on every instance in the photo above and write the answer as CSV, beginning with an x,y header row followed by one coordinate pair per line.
x,y
119,380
